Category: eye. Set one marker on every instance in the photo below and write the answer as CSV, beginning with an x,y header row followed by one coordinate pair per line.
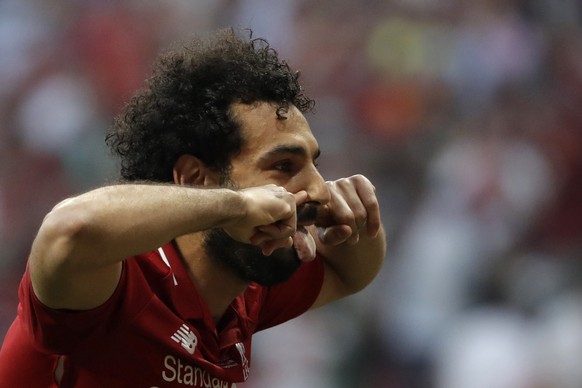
x,y
284,166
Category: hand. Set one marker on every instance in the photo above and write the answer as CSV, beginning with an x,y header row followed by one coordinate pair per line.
x,y
270,217
352,211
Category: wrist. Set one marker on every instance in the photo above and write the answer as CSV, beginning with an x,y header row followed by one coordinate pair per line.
x,y
234,207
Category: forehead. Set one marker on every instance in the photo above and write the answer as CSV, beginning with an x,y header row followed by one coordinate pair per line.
x,y
262,128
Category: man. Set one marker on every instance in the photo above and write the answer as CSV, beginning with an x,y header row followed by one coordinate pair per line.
x,y
221,227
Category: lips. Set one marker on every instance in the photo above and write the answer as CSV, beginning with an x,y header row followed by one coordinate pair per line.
x,y
304,244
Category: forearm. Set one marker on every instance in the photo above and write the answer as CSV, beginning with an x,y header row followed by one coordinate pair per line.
x,y
355,266
111,223
76,257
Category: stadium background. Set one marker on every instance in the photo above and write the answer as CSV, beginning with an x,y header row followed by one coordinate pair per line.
x,y
466,116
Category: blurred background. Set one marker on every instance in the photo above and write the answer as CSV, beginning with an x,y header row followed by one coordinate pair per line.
x,y
465,115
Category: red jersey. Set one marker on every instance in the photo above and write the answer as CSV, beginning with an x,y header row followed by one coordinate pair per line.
x,y
154,331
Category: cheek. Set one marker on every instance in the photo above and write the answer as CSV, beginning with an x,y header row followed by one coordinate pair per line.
x,y
252,179
301,181
243,175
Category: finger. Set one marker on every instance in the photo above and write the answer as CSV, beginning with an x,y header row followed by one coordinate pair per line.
x,y
282,229
334,235
279,229
367,194
336,215
350,211
354,237
259,238
343,213
300,197
270,246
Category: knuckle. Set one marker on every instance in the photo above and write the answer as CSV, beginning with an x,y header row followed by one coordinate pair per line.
x,y
364,181
347,218
373,205
360,214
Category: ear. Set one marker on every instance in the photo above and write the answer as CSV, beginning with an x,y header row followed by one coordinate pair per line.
x,y
191,171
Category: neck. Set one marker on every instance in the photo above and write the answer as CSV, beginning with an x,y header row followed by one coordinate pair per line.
x,y
216,285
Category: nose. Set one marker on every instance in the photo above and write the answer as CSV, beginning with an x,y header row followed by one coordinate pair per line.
x,y
316,188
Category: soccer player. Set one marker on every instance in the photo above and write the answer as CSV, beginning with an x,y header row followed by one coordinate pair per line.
x,y
221,226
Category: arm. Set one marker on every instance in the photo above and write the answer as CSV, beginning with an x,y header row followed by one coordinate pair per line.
x,y
350,236
75,260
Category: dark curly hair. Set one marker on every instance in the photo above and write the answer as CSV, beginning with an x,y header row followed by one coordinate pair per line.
x,y
185,106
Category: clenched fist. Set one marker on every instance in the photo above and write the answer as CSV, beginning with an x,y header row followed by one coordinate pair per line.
x,y
352,211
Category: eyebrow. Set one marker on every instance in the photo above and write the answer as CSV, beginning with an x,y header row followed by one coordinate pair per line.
x,y
288,149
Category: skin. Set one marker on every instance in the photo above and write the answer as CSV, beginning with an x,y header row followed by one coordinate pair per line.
x,y
76,257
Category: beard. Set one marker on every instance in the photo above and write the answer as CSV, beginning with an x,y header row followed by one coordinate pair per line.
x,y
248,262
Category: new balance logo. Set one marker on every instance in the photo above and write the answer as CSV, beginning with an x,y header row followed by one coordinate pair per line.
x,y
185,337
244,361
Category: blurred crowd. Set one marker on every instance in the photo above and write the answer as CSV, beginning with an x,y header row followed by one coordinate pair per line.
x,y
466,115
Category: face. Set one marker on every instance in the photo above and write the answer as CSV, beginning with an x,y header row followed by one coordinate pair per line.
x,y
279,151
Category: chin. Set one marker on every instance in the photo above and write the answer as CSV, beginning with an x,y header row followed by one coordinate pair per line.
x,y
248,262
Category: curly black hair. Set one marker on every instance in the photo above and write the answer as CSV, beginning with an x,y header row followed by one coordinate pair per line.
x,y
185,106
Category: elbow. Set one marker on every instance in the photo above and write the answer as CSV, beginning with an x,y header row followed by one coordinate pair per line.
x,y
55,255
67,221
60,233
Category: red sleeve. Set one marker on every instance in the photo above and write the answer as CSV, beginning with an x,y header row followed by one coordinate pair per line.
x,y
59,331
292,298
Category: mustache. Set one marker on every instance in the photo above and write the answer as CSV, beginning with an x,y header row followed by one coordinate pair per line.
x,y
307,213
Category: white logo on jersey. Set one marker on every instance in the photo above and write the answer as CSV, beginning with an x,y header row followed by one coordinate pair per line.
x,y
245,363
185,337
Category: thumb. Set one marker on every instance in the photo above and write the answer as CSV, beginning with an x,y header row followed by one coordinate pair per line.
x,y
300,197
334,235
